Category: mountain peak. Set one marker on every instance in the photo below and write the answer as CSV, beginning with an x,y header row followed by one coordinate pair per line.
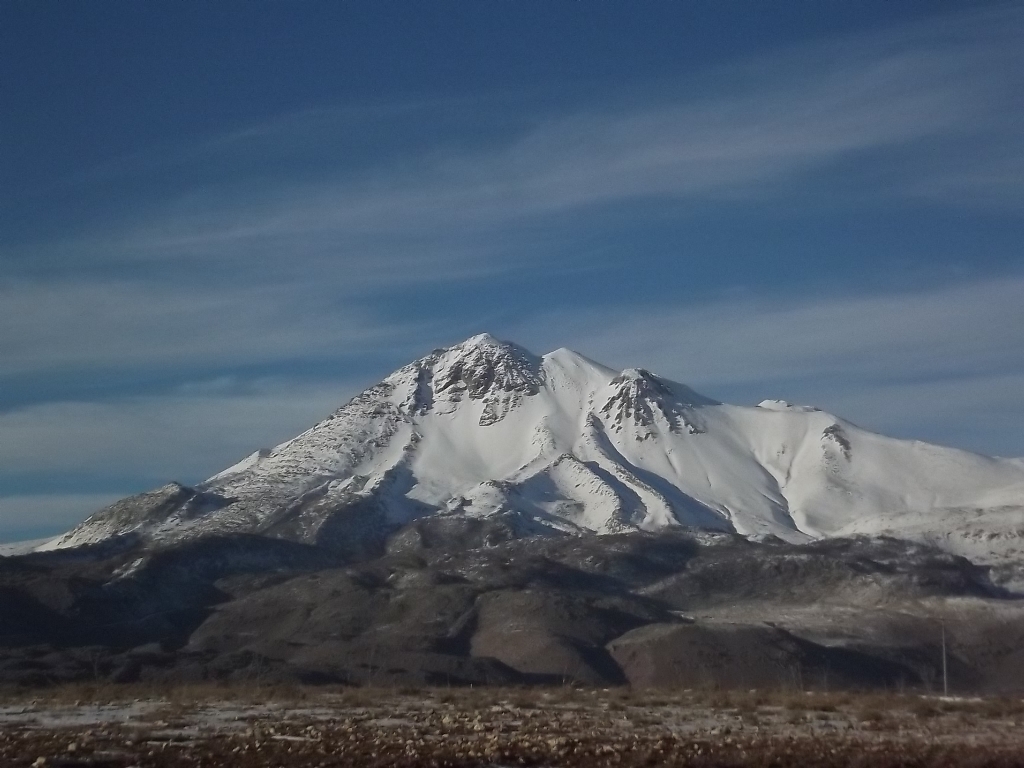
x,y
482,368
482,340
563,443
639,398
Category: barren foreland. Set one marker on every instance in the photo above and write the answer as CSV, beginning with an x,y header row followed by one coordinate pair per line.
x,y
682,648
121,726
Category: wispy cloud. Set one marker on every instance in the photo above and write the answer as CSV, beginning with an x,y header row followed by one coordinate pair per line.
x,y
933,364
979,412
266,261
940,93
943,331
65,325
747,144
184,435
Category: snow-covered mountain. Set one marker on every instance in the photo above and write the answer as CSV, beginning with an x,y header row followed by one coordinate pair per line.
x,y
486,429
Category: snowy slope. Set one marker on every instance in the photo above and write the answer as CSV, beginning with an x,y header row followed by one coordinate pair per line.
x,y
559,442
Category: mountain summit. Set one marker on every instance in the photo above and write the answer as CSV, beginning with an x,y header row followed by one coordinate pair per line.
x,y
486,429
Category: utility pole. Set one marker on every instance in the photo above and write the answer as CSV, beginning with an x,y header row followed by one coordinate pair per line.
x,y
945,676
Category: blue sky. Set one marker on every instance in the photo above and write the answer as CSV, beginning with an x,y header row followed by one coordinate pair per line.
x,y
220,220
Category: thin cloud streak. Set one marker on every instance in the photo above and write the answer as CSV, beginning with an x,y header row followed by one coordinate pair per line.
x,y
979,413
721,148
186,435
754,129
943,365
892,337
121,324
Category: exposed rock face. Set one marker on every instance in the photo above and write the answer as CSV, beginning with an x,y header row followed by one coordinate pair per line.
x,y
835,434
640,397
499,375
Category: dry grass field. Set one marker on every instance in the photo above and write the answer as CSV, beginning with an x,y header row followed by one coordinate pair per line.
x,y
293,727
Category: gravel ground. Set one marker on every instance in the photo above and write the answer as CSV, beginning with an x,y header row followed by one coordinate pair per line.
x,y
505,727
